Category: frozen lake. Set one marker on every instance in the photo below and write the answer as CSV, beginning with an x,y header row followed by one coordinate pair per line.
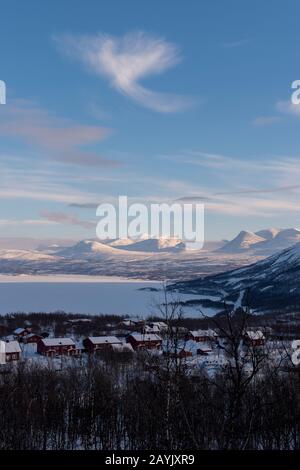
x,y
118,297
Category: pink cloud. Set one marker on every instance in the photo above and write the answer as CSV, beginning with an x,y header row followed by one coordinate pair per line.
x,y
60,139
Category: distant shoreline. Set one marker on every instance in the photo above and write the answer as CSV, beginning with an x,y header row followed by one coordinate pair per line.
x,y
71,278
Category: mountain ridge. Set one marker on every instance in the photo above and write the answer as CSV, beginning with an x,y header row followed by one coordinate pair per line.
x,y
268,284
266,241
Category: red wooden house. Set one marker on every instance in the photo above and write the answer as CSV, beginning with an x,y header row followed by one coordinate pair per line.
x,y
202,335
32,338
144,341
100,343
57,346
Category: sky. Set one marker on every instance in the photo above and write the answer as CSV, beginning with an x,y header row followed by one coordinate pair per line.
x,y
158,101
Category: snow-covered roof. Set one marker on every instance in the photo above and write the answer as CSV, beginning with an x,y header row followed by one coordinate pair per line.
x,y
151,329
255,335
208,333
12,347
193,346
104,340
58,342
159,324
146,337
18,331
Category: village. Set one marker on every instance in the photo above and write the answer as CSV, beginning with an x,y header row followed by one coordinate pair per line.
x,y
71,381
199,349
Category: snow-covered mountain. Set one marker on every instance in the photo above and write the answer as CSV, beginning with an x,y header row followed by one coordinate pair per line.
x,y
147,259
270,284
90,248
154,245
120,242
263,242
268,233
27,255
243,241
283,239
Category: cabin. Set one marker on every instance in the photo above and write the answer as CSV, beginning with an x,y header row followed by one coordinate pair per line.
x,y
32,338
254,338
158,326
57,346
100,343
20,333
155,327
202,335
133,323
148,329
9,351
144,341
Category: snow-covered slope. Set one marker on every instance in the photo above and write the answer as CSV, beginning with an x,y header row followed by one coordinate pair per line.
x,y
154,245
269,284
268,233
90,248
121,242
243,241
28,255
283,239
263,242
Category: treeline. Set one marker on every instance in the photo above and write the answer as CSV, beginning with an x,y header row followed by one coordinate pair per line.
x,y
115,404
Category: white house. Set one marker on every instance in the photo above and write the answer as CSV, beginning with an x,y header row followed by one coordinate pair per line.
x,y
9,351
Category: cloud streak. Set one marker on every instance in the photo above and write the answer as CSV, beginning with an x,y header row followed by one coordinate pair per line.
x,y
125,61
264,121
67,219
59,139
287,107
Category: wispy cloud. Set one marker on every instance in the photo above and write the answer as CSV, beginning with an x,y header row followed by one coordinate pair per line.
x,y
241,192
287,107
281,165
84,205
264,121
27,181
59,139
18,222
67,219
261,187
127,60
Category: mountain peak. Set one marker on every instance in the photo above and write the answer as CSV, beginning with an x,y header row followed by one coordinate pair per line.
x,y
242,242
263,242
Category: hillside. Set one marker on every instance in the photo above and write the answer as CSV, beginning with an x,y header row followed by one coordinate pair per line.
x,y
269,284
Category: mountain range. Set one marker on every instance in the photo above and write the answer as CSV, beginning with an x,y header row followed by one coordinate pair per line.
x,y
248,256
262,242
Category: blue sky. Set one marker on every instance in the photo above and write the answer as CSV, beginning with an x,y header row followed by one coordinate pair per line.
x,y
155,100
